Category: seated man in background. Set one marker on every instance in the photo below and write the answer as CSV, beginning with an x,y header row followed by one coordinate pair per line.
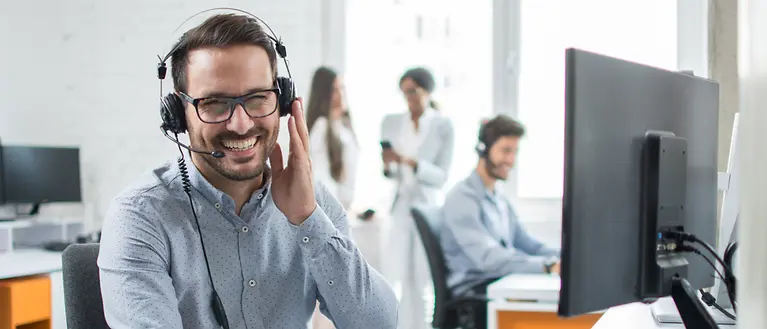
x,y
480,233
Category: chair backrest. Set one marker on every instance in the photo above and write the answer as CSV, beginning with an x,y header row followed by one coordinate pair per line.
x,y
82,291
426,221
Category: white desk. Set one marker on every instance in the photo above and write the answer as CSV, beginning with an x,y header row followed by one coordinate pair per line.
x,y
25,262
635,316
29,262
529,301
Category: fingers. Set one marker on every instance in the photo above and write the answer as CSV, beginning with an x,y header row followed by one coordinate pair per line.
x,y
275,159
303,131
296,145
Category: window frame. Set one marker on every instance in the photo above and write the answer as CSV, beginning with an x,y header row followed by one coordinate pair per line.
x,y
692,54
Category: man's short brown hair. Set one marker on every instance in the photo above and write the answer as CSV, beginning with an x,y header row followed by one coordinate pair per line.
x,y
219,31
500,126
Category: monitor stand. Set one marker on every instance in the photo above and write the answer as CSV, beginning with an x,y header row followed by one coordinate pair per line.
x,y
35,209
691,308
663,269
664,311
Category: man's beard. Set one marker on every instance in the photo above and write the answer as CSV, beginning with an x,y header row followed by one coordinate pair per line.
x,y
266,147
491,170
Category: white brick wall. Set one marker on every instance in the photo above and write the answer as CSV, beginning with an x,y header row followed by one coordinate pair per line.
x,y
75,73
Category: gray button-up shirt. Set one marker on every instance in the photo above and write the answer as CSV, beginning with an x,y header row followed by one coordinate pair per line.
x,y
268,272
483,239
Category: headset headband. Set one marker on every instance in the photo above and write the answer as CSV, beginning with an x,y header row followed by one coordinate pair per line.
x,y
278,46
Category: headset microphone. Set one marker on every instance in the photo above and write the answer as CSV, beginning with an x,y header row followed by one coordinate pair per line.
x,y
215,154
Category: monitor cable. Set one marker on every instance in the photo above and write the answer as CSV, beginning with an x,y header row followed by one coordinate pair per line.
x,y
729,277
707,298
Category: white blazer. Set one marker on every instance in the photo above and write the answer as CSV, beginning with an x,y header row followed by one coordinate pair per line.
x,y
434,156
318,151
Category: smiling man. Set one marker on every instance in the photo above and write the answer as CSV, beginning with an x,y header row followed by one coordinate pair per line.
x,y
480,233
274,243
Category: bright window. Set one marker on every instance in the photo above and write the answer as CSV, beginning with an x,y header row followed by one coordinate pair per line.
x,y
384,38
642,31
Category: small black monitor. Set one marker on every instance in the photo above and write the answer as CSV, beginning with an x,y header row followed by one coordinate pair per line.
x,y
40,174
640,161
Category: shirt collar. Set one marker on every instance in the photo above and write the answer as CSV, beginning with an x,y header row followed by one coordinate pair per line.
x,y
210,192
425,118
428,114
476,184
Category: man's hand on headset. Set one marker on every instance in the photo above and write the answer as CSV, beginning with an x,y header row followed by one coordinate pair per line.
x,y
292,185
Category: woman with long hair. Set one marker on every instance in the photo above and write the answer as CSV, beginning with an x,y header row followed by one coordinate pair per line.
x,y
332,142
417,158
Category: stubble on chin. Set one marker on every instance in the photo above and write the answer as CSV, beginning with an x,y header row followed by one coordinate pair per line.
x,y
261,157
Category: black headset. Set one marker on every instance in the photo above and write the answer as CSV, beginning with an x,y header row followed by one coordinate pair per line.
x,y
172,112
172,109
483,145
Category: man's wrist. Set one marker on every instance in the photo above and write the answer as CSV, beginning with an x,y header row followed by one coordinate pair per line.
x,y
548,264
300,219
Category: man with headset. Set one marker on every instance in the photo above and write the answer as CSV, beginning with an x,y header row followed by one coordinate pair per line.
x,y
480,233
224,240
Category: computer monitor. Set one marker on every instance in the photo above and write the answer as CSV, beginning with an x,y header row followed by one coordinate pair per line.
x,y
40,174
640,159
730,211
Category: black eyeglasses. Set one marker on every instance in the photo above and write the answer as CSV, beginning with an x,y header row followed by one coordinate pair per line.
x,y
257,104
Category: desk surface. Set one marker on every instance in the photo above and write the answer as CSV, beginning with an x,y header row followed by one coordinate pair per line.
x,y
539,287
635,316
24,262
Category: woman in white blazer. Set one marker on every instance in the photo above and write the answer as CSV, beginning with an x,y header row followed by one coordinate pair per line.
x,y
332,142
418,162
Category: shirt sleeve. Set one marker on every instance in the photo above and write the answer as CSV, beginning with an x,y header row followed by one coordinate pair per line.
x,y
435,174
461,219
136,288
393,172
527,243
351,293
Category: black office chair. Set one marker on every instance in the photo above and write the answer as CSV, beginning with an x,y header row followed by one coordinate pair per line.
x,y
82,292
450,312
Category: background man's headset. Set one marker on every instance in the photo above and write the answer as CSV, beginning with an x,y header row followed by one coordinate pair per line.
x,y
483,146
173,114
483,149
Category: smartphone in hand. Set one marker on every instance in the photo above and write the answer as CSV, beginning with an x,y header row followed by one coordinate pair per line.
x,y
386,145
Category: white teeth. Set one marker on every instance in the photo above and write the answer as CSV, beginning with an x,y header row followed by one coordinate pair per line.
x,y
240,144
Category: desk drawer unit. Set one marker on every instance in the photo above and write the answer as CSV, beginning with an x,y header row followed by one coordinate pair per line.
x,y
25,303
544,320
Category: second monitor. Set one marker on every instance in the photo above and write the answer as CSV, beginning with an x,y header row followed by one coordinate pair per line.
x,y
34,175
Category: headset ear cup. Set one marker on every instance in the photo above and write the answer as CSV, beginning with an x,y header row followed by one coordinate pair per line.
x,y
287,95
172,114
481,150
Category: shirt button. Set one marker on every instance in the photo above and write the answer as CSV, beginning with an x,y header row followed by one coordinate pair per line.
x,y
260,196
305,239
217,205
252,283
245,229
330,283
